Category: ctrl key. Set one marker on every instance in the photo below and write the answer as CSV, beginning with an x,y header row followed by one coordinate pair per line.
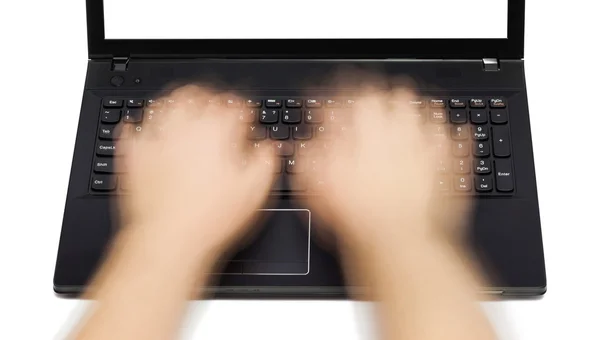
x,y
104,183
504,175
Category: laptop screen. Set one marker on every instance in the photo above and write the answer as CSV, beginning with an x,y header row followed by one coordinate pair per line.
x,y
305,19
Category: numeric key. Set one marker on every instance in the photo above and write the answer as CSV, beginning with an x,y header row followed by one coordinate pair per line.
x,y
462,183
482,166
313,116
133,116
480,132
292,116
481,149
269,116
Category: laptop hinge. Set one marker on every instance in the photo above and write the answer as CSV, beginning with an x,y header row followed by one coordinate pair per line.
x,y
491,64
119,64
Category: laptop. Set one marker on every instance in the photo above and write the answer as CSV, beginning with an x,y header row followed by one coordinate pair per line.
x,y
466,58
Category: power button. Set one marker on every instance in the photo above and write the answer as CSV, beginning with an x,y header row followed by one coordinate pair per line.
x,y
117,81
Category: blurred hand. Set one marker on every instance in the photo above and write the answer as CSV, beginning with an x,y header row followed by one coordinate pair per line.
x,y
379,178
186,180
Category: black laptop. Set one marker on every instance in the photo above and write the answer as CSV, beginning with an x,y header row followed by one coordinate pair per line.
x,y
466,62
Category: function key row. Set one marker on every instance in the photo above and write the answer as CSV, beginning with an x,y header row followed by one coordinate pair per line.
x,y
456,103
235,103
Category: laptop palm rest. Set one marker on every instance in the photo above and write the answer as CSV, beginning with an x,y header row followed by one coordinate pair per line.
x,y
282,247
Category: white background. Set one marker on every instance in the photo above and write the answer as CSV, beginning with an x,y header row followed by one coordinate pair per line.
x,y
269,19
43,63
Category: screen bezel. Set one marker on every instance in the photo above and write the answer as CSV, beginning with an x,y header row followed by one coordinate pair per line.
x,y
509,48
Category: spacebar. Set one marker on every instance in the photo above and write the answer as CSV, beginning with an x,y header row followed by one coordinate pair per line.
x,y
287,182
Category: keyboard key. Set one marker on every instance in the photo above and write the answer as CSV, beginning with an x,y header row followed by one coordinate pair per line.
x,y
104,165
477,103
233,103
135,103
273,103
459,132
462,166
108,149
462,183
437,116
280,132
247,115
313,116
253,103
154,103
499,116
107,132
437,103
478,116
481,149
420,104
104,183
294,165
349,103
497,103
133,116
302,132
483,183
257,132
111,116
460,149
269,116
112,103
480,132
292,116
283,148
443,183
215,101
501,140
441,167
440,131
457,103
504,175
458,116
482,166
333,103
323,132
293,103
313,103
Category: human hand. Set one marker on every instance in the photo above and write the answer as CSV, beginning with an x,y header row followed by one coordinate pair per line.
x,y
186,181
379,179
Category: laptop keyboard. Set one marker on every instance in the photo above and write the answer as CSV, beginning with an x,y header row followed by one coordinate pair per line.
x,y
478,126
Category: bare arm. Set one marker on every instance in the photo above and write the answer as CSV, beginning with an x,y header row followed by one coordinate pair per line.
x,y
191,198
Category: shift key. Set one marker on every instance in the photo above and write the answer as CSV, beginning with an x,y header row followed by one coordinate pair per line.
x,y
504,175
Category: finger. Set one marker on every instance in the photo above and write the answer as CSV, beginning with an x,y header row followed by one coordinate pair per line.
x,y
258,175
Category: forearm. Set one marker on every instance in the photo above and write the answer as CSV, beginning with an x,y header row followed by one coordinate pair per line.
x,y
142,289
425,292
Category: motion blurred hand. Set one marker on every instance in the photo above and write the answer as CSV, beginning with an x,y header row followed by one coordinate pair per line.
x,y
379,177
186,178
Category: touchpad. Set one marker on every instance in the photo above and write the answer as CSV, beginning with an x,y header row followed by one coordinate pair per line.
x,y
282,247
